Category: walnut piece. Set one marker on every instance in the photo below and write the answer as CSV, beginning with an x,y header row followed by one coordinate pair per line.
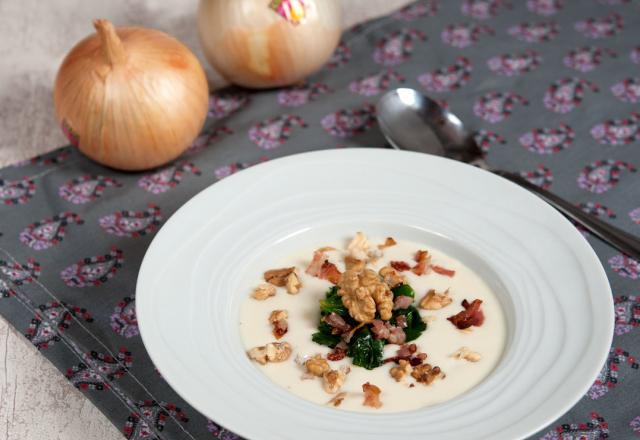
x,y
362,292
387,243
292,283
278,277
391,277
426,374
278,319
353,263
435,301
317,366
333,380
272,352
400,371
466,354
337,399
263,291
358,248
371,395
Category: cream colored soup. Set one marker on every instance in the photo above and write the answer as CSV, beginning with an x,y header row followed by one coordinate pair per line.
x,y
439,341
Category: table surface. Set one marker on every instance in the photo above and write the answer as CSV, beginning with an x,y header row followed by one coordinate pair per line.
x,y
37,401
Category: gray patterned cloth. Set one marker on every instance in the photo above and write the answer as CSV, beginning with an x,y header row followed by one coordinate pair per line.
x,y
551,86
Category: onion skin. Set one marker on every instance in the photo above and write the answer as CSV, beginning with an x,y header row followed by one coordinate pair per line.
x,y
253,46
131,98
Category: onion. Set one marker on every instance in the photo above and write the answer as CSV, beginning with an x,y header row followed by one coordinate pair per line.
x,y
131,98
268,43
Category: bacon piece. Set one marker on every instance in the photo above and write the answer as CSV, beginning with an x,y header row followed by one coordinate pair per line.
x,y
406,352
422,259
383,330
402,302
339,352
379,329
443,271
471,315
316,264
396,335
371,395
320,267
337,322
417,359
400,266
329,271
401,321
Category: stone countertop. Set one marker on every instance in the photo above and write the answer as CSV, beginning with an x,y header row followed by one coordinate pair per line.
x,y
36,401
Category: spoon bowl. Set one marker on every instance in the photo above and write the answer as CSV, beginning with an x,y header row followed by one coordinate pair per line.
x,y
412,121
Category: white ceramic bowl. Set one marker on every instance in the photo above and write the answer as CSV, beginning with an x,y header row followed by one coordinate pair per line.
x,y
551,285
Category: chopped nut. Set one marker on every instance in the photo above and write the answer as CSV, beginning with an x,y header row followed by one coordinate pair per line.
x,y
466,354
358,248
435,301
263,291
326,249
401,370
278,319
426,374
317,366
391,277
362,292
387,243
337,399
292,283
272,352
353,263
278,315
371,395
278,277
334,379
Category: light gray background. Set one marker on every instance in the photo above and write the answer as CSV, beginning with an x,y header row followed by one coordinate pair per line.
x,y
36,401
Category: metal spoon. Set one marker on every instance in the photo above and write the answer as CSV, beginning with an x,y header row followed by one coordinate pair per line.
x,y
411,121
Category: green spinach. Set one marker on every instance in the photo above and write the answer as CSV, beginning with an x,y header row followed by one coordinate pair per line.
x,y
365,350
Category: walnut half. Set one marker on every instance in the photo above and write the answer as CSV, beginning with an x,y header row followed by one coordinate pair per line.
x,y
400,371
292,283
466,354
435,301
278,277
317,366
391,277
426,374
263,291
362,292
333,380
272,352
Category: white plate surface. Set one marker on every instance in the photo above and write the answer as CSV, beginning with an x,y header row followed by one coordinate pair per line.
x,y
551,285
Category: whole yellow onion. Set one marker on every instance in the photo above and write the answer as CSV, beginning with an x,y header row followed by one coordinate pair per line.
x,y
268,43
131,98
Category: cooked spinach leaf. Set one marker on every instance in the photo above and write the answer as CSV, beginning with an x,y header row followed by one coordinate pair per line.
x,y
333,303
324,336
403,290
325,339
415,324
365,350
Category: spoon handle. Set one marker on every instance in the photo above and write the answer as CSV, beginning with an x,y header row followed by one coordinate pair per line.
x,y
621,240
